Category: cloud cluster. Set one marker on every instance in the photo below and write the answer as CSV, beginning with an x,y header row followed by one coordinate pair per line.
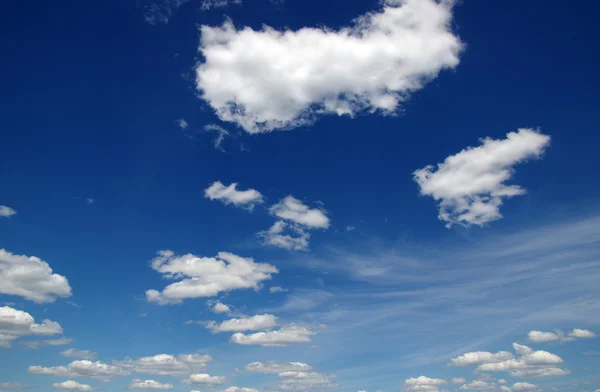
x,y
287,334
84,369
206,276
528,364
291,77
558,335
305,381
137,383
165,364
230,195
470,186
72,386
17,323
423,384
31,278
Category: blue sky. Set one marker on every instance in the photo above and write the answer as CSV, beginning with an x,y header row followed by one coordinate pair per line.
x,y
403,201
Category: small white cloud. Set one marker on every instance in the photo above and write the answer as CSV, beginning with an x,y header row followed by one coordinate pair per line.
x,y
6,211
31,278
255,323
282,337
277,289
272,367
542,337
458,380
479,357
521,349
239,389
182,123
221,308
33,344
83,354
90,200
558,335
350,228
294,210
165,364
423,384
160,11
292,77
17,323
209,4
83,368
221,132
206,276
470,186
72,386
148,384
502,381
205,379
297,239
230,195
478,385
524,387
581,334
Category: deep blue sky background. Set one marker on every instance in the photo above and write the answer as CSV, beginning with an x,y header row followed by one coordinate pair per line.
x,y
90,95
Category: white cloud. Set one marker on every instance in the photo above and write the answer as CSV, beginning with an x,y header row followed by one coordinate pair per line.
x,y
34,344
208,4
542,337
470,186
205,379
17,323
72,386
86,369
523,387
521,349
6,211
277,289
294,210
9,385
502,381
423,384
220,308
479,357
165,364
275,236
304,381
206,276
230,195
160,11
271,367
90,200
581,334
148,384
221,132
255,323
83,354
532,372
458,380
281,337
477,385
182,123
31,278
292,77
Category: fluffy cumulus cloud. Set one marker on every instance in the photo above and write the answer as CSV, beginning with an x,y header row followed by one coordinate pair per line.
x,y
84,369
83,354
296,238
72,386
165,364
148,384
528,364
278,338
6,211
291,77
16,323
558,335
272,367
470,186
255,323
231,195
33,344
220,308
423,384
205,379
294,210
31,278
206,276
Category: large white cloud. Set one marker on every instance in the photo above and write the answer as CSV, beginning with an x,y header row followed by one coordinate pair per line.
x,y
165,364
6,211
205,379
272,367
86,369
470,186
282,337
31,278
423,384
137,383
291,77
255,323
206,276
294,210
72,386
230,195
16,323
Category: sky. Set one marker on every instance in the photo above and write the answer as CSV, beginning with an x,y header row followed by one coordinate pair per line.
x,y
287,195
